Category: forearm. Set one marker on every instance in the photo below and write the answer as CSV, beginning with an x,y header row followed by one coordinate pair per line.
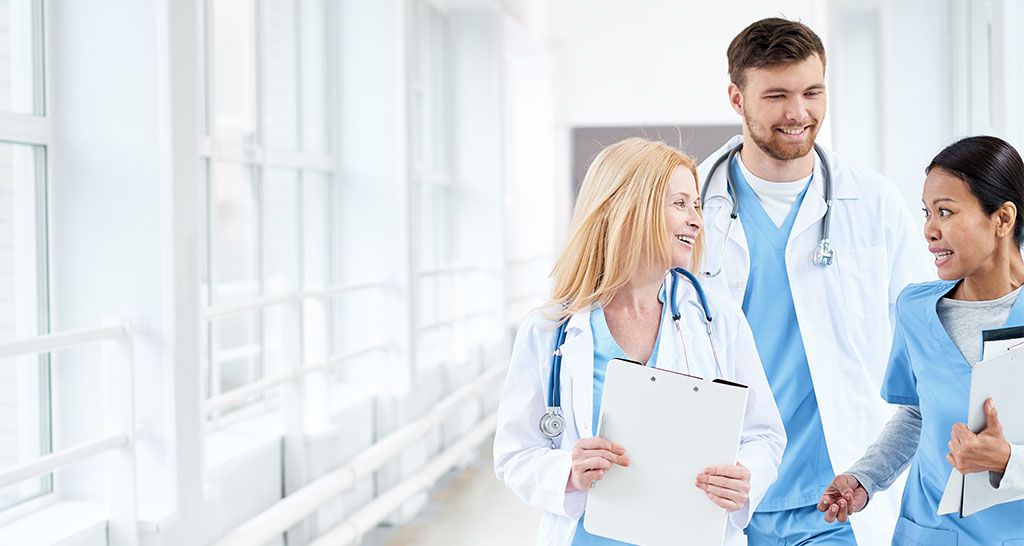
x,y
891,453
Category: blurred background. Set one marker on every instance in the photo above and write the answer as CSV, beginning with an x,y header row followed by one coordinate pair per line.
x,y
261,260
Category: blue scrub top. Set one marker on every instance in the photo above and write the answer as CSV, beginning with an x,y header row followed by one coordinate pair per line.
x,y
927,370
606,349
805,469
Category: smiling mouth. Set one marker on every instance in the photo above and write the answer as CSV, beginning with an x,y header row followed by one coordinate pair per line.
x,y
797,131
685,239
942,255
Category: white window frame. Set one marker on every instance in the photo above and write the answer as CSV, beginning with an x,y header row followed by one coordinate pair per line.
x,y
36,129
260,158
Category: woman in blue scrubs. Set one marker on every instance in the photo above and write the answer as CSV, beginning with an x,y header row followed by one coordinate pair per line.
x,y
973,204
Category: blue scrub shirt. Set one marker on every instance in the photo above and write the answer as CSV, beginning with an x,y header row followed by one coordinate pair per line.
x,y
806,469
927,370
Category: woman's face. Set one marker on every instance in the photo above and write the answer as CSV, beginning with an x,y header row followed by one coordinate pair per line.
x,y
682,215
960,234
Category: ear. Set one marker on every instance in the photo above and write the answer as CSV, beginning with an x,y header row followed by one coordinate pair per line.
x,y
1006,219
736,98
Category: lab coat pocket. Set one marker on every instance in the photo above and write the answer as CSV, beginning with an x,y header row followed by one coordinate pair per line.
x,y
909,533
865,281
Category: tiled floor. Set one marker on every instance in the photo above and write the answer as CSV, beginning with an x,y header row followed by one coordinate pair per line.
x,y
473,508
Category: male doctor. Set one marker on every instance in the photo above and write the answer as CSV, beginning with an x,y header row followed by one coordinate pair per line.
x,y
820,310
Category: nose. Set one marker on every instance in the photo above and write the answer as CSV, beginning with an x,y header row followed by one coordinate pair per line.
x,y
931,232
796,109
695,219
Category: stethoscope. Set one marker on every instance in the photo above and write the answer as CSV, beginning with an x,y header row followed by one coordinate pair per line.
x,y
552,423
823,253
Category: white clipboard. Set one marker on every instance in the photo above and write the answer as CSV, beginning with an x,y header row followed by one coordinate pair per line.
x,y
672,427
999,376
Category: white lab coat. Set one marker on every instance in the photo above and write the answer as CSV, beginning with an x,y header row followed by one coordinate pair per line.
x,y
524,459
845,311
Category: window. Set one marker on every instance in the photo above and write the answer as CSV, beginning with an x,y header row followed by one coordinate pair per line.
x,y
269,189
433,187
24,142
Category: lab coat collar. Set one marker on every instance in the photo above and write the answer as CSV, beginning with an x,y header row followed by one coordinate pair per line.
x,y
577,362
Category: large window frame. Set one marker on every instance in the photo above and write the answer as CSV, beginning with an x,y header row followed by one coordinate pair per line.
x,y
29,133
284,310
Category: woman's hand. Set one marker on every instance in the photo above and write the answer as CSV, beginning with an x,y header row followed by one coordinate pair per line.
x,y
986,450
728,486
844,496
591,458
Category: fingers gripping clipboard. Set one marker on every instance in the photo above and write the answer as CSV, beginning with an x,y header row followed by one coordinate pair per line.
x,y
672,427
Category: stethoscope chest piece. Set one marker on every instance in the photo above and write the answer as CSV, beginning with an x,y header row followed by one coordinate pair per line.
x,y
552,423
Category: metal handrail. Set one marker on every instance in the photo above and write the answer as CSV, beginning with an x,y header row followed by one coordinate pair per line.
x,y
444,323
221,311
238,395
51,342
291,510
455,269
119,423
52,461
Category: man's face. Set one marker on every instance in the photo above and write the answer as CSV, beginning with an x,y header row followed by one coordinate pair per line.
x,y
783,107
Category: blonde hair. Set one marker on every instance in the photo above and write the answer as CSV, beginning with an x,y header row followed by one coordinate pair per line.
x,y
618,224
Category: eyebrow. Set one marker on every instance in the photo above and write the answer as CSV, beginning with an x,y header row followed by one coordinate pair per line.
x,y
940,200
815,87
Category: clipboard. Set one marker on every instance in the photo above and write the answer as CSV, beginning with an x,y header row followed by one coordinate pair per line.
x,y
999,376
672,426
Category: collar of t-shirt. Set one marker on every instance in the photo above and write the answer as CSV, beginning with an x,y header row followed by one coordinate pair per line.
x,y
776,198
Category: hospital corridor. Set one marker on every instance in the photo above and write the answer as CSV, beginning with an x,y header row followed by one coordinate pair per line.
x,y
510,272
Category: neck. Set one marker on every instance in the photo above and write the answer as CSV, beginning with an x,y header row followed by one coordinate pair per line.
x,y
638,295
1000,276
765,167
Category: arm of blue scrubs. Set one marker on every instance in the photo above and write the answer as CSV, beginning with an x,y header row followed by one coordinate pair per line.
x,y
900,384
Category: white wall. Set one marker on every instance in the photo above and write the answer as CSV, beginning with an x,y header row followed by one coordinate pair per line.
x,y
657,62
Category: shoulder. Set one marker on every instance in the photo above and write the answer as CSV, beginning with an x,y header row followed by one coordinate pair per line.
x,y
538,321
916,296
710,160
869,184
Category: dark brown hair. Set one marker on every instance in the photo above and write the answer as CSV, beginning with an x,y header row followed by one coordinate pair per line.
x,y
771,42
992,169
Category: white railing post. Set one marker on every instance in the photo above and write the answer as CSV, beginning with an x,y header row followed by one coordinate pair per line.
x,y
294,441
119,418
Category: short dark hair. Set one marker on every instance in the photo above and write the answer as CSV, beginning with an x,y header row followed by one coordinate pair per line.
x,y
771,42
993,171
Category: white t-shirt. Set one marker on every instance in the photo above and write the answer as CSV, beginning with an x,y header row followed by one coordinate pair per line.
x,y
776,198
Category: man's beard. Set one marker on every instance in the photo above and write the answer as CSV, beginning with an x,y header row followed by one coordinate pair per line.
x,y
774,147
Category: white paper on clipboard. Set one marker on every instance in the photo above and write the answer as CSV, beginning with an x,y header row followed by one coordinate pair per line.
x,y
1000,376
672,426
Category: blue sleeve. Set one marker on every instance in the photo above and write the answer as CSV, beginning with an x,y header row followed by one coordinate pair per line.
x,y
900,383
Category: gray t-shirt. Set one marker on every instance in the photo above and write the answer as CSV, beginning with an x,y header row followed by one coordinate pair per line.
x,y
965,320
892,452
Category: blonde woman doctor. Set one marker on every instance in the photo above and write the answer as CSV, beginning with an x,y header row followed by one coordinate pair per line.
x,y
637,216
